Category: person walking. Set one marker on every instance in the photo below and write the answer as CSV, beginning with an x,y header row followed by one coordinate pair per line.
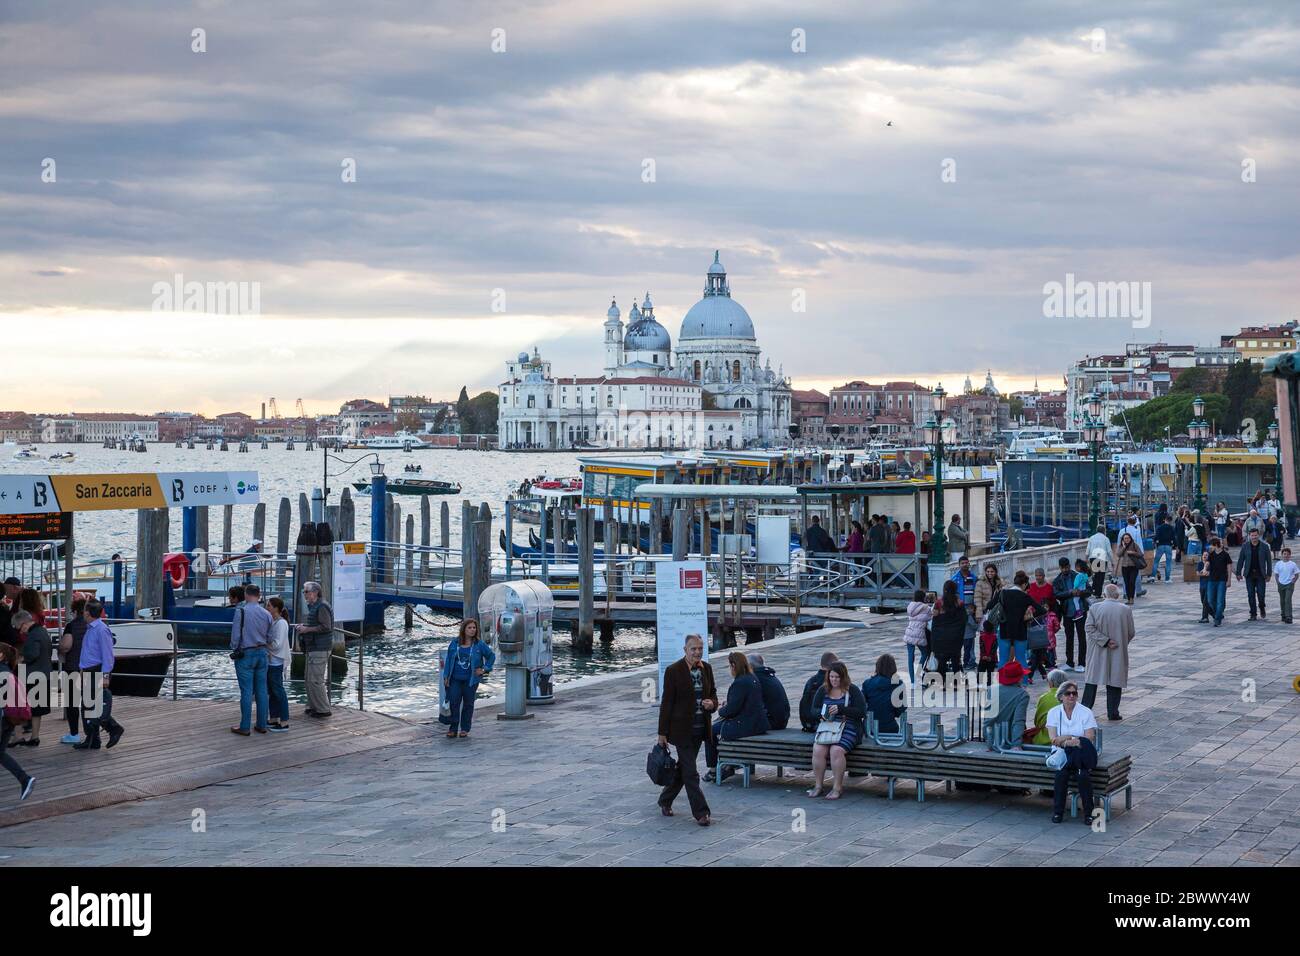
x,y
1285,571
1130,560
1100,553
13,714
1216,569
1073,732
1110,631
250,636
70,663
468,660
948,630
279,659
317,633
919,613
958,539
36,656
986,589
1063,591
1253,522
1164,549
97,658
817,541
686,700
1255,567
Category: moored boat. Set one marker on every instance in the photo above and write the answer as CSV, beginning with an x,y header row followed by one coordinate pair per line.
x,y
413,486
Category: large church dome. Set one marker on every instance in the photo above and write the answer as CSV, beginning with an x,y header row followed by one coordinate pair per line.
x,y
717,315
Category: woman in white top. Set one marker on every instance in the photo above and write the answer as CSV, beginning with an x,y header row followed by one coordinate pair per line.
x,y
279,655
1073,730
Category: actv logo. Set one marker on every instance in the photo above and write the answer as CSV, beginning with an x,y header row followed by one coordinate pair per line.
x,y
77,909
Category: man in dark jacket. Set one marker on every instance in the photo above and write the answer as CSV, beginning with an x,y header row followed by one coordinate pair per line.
x,y
807,719
775,699
686,699
878,536
1255,565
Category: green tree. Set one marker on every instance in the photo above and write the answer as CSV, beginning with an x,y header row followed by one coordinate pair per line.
x,y
483,412
462,409
1149,420
1240,385
1017,408
1194,380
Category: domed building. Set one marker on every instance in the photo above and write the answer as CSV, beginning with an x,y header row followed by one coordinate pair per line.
x,y
712,394
717,349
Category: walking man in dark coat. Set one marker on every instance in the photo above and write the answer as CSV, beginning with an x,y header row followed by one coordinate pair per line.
x,y
686,700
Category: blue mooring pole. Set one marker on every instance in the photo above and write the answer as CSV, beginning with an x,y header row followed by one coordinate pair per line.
x,y
189,530
378,520
117,589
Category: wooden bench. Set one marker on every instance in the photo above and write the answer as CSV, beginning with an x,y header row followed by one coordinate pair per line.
x,y
970,762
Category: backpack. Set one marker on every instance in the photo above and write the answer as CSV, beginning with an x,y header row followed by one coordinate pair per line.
x,y
21,712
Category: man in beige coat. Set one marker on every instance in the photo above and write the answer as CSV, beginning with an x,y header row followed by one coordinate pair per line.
x,y
1109,631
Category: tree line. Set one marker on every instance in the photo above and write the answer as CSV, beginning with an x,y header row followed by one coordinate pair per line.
x,y
1243,393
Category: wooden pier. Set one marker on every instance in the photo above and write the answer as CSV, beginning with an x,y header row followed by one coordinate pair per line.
x,y
170,746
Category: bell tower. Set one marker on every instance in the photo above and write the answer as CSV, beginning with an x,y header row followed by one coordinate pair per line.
x,y
613,339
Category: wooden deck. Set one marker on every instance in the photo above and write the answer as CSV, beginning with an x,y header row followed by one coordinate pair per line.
x,y
170,746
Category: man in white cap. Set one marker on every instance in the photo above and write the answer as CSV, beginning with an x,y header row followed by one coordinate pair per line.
x,y
248,560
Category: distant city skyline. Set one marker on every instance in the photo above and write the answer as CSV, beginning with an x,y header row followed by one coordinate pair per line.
x,y
507,185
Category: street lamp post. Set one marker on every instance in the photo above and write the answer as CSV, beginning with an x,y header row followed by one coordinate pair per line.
x,y
934,434
1273,433
1094,433
1199,430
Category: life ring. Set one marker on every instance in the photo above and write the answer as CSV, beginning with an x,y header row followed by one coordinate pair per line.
x,y
177,565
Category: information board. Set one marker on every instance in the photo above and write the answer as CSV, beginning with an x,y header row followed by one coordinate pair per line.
x,y
54,526
349,597
45,494
681,608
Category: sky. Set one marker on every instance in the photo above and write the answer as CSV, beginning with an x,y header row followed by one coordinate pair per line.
x,y
914,172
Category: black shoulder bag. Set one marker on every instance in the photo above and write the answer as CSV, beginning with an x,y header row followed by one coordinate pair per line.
x,y
238,652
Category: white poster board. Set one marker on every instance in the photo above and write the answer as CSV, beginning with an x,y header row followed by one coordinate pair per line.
x,y
349,597
774,540
681,608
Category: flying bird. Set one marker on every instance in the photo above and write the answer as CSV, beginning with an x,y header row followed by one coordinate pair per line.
x,y
890,123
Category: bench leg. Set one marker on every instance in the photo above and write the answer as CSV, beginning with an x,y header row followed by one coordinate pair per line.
x,y
947,785
891,787
1128,797
747,770
920,791
778,771
1105,806
1074,805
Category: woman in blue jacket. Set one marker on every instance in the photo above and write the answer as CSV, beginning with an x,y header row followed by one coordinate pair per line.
x,y
468,660
743,715
879,692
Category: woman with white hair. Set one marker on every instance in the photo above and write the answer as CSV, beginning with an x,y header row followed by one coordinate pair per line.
x,y
1073,732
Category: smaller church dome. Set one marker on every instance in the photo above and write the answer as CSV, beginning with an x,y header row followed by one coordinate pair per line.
x,y
613,312
522,358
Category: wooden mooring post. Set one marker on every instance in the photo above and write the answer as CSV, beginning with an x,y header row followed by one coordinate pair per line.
x,y
584,637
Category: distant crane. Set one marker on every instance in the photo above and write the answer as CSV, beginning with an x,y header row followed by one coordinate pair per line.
x,y
275,409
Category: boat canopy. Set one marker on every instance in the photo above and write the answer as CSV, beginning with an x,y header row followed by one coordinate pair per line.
x,y
694,492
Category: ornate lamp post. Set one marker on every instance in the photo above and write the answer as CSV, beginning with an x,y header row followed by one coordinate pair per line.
x,y
1273,433
1199,430
1094,433
935,427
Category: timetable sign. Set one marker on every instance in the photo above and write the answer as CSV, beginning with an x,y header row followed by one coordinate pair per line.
x,y
47,526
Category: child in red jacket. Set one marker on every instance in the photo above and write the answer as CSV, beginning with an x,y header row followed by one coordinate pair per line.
x,y
988,649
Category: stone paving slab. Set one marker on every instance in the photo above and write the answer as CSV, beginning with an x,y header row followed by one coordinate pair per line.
x,y
1216,782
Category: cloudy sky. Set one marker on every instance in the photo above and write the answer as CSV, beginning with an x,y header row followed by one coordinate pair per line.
x,y
1115,156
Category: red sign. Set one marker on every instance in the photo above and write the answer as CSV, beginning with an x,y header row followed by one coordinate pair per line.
x,y
690,579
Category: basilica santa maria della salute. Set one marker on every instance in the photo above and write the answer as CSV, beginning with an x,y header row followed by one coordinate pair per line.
x,y
713,391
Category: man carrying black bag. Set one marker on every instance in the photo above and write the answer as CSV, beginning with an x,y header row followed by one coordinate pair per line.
x,y
687,698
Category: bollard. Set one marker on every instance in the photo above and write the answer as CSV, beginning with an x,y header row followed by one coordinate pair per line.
x,y
583,638
347,516
425,529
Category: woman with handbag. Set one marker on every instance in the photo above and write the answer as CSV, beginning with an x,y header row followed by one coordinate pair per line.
x,y
842,709
36,653
1130,560
16,712
1016,608
1073,731
948,630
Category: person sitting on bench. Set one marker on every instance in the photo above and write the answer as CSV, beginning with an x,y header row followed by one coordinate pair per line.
x,y
879,692
837,700
1074,734
807,716
743,715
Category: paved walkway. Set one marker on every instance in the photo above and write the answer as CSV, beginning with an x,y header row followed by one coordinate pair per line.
x,y
1216,781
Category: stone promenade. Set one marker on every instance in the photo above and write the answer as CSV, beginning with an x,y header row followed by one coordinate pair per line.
x,y
1210,719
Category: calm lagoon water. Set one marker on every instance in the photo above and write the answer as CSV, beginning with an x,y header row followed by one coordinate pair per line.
x,y
401,666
